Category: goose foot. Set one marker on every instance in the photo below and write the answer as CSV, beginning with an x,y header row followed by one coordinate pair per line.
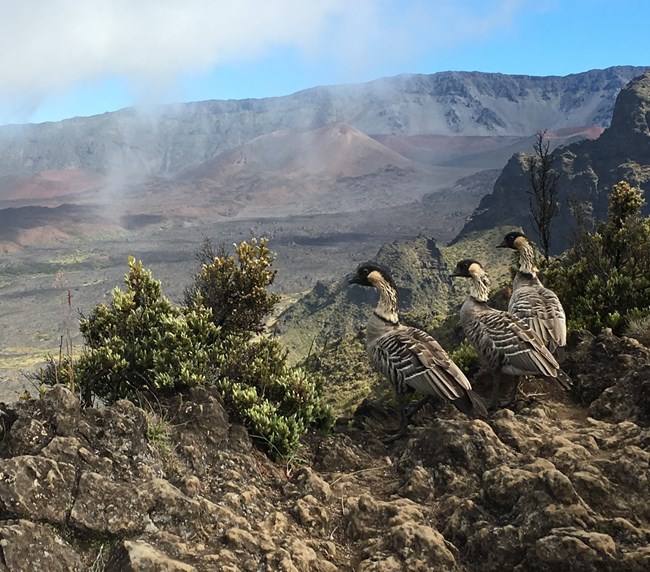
x,y
415,407
392,438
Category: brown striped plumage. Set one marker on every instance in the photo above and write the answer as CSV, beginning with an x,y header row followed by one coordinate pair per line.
x,y
535,304
504,341
410,358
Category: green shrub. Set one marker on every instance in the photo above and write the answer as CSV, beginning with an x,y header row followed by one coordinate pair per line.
x,y
235,287
638,327
604,279
350,377
466,358
140,342
56,370
276,402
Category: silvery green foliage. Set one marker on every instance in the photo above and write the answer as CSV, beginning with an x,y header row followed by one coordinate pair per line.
x,y
141,342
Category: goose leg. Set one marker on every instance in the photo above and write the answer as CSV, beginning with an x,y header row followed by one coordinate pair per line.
x,y
403,421
496,402
515,388
419,404
494,399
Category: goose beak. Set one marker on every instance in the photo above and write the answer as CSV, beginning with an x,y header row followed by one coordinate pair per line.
x,y
503,244
354,280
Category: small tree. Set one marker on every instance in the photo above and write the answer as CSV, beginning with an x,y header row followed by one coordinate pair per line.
x,y
275,401
604,279
543,196
235,287
625,229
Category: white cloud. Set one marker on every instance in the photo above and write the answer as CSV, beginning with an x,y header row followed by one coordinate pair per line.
x,y
46,45
49,46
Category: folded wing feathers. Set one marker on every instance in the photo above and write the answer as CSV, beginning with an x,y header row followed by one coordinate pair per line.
x,y
503,339
413,359
542,310
534,350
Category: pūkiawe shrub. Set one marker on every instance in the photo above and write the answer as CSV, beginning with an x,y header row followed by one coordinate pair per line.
x,y
275,401
141,343
604,279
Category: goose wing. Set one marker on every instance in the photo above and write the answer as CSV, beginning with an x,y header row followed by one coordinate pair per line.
x,y
411,358
542,310
506,341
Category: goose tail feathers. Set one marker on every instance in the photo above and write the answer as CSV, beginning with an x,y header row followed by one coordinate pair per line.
x,y
564,380
471,404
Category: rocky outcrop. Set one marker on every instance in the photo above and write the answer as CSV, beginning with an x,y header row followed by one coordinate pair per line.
x,y
611,376
557,483
588,171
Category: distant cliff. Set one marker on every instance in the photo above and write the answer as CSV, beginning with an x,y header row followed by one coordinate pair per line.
x,y
168,138
588,170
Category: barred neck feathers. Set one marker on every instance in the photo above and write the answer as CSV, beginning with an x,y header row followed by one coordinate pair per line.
x,y
480,286
522,279
526,256
387,307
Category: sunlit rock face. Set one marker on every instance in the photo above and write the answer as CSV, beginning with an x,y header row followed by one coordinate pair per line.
x,y
588,168
557,479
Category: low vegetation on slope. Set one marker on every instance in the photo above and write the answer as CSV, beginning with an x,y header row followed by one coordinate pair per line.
x,y
555,482
141,347
604,279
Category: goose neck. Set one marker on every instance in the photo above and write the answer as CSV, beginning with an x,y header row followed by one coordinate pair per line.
x,y
527,258
388,302
480,287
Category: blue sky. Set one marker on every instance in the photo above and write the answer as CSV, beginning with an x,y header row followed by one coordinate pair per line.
x,y
65,58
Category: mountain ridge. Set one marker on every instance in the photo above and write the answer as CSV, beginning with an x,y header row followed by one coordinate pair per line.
x,y
132,213
172,137
588,169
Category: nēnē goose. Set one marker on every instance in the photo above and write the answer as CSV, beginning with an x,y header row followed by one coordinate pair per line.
x,y
538,306
410,358
504,341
